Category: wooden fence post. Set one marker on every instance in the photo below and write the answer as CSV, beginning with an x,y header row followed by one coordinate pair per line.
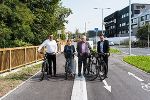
x,y
25,55
36,54
9,60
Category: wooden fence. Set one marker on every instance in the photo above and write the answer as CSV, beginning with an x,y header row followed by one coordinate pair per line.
x,y
12,58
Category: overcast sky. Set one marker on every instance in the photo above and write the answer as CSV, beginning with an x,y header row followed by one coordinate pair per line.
x,y
83,12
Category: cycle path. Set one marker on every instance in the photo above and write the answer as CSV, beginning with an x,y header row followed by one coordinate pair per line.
x,y
126,81
56,88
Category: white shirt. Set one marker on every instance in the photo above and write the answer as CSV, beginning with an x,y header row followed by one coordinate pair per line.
x,y
51,46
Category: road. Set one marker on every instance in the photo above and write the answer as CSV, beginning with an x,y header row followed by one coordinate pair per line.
x,y
127,83
135,51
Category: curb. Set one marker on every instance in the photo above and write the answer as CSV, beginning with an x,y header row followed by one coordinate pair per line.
x,y
24,81
135,67
18,86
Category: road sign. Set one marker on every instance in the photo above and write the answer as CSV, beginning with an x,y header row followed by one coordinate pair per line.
x,y
96,29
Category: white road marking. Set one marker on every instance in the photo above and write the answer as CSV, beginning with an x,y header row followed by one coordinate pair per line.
x,y
135,77
107,86
79,91
146,87
21,83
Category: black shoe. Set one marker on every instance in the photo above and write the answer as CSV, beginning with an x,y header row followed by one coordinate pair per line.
x,y
49,75
54,75
106,76
79,74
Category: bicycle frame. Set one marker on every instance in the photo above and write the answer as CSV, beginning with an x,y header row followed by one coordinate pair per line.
x,y
101,67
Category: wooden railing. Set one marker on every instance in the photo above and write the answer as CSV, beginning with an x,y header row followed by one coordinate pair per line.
x,y
12,58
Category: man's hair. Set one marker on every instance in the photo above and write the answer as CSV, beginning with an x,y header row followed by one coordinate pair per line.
x,y
83,36
50,35
101,34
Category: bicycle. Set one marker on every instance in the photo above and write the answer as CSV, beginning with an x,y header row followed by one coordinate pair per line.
x,y
90,68
45,67
68,70
101,66
97,69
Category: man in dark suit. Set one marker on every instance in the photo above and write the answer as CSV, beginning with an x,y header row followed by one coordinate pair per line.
x,y
103,47
83,49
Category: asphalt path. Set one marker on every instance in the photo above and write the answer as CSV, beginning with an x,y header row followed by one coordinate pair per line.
x,y
56,88
126,81
134,51
124,86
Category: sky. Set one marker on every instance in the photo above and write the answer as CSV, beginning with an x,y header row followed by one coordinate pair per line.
x,y
84,13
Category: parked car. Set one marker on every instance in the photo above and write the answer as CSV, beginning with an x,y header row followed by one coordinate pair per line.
x,y
111,43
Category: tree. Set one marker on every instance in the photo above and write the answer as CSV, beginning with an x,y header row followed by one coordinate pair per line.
x,y
142,33
30,21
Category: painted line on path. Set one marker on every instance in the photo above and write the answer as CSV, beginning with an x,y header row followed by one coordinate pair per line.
x,y
139,79
79,91
21,83
107,86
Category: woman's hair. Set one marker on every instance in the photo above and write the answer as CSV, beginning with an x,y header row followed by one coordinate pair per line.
x,y
69,40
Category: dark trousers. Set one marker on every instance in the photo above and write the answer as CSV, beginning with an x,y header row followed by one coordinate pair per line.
x,y
52,59
106,61
81,59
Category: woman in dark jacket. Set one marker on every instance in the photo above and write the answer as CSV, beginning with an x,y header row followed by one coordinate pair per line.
x,y
69,51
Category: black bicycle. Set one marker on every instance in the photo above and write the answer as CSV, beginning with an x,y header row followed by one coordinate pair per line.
x,y
90,68
96,67
101,66
45,67
67,68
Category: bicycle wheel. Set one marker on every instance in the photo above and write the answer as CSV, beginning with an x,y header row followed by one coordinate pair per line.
x,y
102,70
66,71
43,70
91,72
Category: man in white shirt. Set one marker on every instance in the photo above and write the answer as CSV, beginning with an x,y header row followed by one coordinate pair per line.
x,y
51,50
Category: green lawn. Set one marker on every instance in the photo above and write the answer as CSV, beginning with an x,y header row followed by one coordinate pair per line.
x,y
141,62
114,50
12,80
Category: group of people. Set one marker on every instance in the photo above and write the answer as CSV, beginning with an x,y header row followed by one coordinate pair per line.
x,y
83,50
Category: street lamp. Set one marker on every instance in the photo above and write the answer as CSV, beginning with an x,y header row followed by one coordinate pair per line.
x,y
129,27
102,16
148,34
86,23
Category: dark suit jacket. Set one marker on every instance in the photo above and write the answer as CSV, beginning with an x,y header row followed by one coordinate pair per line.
x,y
105,46
79,47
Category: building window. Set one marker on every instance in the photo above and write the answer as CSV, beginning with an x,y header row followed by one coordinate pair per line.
x,y
142,18
120,25
123,24
136,11
127,14
134,21
147,17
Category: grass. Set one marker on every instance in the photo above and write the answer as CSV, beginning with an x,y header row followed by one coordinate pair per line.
x,y
12,80
141,62
116,51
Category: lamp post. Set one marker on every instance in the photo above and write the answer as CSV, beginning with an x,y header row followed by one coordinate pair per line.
x,y
85,28
129,27
148,34
102,16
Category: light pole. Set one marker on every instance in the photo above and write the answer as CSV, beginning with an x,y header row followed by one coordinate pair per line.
x,y
85,28
148,34
129,27
102,16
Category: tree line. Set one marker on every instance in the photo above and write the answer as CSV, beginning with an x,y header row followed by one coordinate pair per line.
x,y
28,22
